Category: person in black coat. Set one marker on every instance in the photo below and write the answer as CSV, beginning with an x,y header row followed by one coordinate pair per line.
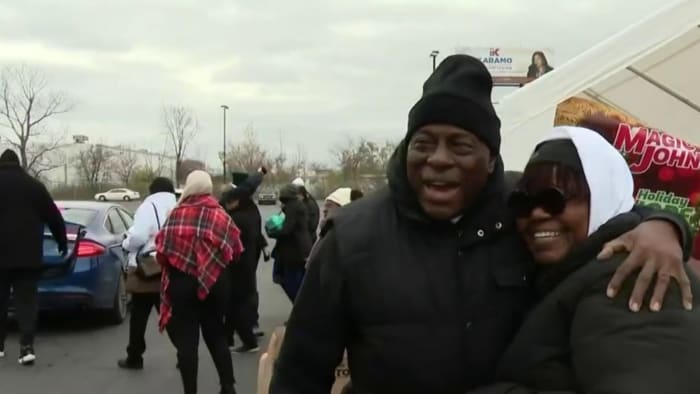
x,y
313,213
25,207
426,282
293,240
241,316
576,195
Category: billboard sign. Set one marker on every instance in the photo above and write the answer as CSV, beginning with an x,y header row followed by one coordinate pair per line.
x,y
512,66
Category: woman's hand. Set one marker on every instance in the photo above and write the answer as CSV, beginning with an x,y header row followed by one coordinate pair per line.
x,y
654,248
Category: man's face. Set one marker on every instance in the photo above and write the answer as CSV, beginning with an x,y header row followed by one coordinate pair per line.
x,y
447,167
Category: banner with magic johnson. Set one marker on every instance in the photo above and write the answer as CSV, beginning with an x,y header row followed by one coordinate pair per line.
x,y
666,169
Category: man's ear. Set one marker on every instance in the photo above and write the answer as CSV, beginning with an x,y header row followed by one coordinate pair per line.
x,y
492,163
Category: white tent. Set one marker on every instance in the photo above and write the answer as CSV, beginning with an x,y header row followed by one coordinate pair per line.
x,y
650,71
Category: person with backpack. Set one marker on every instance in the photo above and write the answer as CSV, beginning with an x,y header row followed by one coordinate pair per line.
x,y
145,289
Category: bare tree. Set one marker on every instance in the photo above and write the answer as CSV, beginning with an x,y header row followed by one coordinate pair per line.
x,y
248,155
384,154
154,167
45,156
25,106
301,159
124,164
349,159
189,165
363,157
278,164
93,165
181,127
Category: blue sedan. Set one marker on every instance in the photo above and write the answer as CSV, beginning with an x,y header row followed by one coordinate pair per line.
x,y
92,277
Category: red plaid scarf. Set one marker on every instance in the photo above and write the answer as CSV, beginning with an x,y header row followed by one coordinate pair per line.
x,y
199,239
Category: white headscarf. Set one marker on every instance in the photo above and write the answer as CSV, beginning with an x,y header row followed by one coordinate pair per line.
x,y
198,182
607,174
340,196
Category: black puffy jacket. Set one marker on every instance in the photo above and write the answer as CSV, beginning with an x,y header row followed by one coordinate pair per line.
x,y
421,306
577,340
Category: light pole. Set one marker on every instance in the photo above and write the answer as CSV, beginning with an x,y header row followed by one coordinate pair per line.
x,y
225,108
434,55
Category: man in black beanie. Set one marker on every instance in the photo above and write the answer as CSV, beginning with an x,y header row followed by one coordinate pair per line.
x,y
425,283
25,207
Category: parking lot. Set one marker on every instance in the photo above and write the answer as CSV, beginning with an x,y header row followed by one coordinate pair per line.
x,y
77,354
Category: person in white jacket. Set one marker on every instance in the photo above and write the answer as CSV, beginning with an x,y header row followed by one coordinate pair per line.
x,y
140,239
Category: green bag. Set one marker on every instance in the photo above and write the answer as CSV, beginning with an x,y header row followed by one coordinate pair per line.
x,y
274,224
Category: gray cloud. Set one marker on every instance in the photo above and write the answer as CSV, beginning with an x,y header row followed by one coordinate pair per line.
x,y
314,71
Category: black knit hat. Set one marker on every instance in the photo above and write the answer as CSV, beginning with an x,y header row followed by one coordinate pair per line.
x,y
458,93
9,157
239,177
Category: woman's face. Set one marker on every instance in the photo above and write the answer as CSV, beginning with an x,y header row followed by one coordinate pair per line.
x,y
328,208
551,235
539,60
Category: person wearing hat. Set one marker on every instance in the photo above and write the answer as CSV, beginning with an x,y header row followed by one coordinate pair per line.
x,y
576,194
339,198
426,282
25,208
140,241
242,311
312,211
293,242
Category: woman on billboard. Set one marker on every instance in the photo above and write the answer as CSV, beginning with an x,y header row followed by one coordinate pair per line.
x,y
539,65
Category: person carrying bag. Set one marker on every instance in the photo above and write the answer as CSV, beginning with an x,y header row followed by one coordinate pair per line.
x,y
147,268
143,271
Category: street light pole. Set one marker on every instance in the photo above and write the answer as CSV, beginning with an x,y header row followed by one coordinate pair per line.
x,y
225,108
434,55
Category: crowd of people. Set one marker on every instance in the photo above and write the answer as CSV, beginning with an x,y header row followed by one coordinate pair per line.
x,y
458,278
193,261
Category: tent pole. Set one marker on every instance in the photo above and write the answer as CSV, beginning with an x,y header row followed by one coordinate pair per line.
x,y
664,88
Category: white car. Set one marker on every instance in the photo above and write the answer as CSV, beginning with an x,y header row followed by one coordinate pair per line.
x,y
118,195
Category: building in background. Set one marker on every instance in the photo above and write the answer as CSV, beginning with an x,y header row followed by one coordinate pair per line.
x,y
64,163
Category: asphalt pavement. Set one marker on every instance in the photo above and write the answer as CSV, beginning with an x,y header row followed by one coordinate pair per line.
x,y
77,353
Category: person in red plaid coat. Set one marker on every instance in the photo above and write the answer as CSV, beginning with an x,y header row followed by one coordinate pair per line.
x,y
195,246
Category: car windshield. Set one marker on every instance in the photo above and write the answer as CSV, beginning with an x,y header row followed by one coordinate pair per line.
x,y
81,216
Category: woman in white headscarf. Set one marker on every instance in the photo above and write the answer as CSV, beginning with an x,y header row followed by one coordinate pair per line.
x,y
576,194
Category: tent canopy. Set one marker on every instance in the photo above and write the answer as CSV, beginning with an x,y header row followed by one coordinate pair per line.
x,y
650,71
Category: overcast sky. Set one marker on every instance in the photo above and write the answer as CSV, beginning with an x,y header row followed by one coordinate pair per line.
x,y
312,71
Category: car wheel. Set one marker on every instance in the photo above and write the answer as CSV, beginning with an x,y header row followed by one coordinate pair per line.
x,y
120,308
102,198
127,198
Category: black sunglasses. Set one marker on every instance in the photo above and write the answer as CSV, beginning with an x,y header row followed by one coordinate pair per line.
x,y
551,200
